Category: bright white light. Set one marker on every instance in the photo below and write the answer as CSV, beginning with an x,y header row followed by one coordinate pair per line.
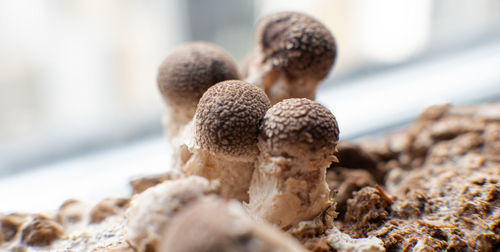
x,y
393,30
266,7
389,98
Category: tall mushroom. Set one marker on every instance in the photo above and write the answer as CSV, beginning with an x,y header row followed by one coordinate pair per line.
x,y
182,78
210,224
294,53
225,136
297,142
186,74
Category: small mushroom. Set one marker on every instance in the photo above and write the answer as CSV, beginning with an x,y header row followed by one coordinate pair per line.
x,y
226,125
182,79
186,74
210,224
150,211
297,142
294,53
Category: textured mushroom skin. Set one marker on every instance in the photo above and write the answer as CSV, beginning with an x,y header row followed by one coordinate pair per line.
x,y
297,144
228,117
190,70
185,75
298,122
298,43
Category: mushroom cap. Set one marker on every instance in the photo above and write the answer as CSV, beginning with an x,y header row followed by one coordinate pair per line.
x,y
228,116
211,224
190,70
206,225
150,211
296,125
297,43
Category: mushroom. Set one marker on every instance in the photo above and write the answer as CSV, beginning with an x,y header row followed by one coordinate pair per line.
x,y
185,75
224,146
297,142
152,210
210,224
294,53
182,78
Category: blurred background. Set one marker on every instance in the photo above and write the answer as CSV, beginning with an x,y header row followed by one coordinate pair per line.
x,y
78,77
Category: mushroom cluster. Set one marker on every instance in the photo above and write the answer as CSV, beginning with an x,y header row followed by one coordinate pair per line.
x,y
249,170
259,136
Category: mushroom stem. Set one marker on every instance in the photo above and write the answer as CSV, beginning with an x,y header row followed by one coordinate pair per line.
x,y
277,84
181,143
174,121
280,87
284,193
233,174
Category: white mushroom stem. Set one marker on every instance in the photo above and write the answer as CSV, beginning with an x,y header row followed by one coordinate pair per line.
x,y
256,70
181,144
286,190
232,173
277,84
174,122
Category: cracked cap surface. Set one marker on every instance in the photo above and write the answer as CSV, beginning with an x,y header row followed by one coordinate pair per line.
x,y
228,116
298,124
190,70
297,43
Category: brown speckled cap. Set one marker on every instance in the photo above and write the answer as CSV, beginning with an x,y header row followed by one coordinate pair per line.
x,y
190,70
297,43
295,123
228,116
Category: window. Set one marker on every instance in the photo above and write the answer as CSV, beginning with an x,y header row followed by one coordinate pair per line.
x,y
77,76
